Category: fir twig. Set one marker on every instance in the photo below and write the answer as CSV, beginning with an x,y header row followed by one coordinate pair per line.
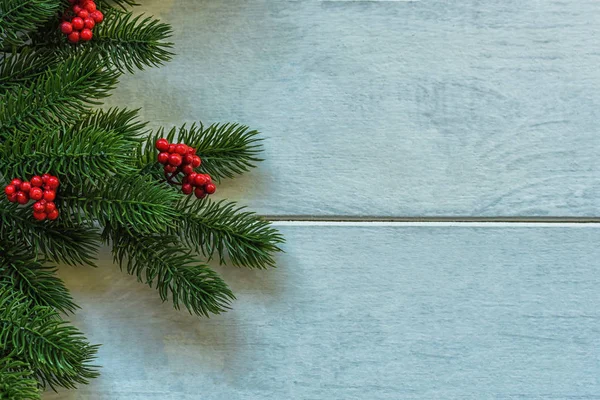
x,y
162,262
57,241
226,149
58,353
134,202
132,42
59,95
17,381
20,269
18,17
227,230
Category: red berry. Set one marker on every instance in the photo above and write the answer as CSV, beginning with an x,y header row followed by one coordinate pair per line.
x,y
86,35
196,162
90,6
89,23
52,215
199,192
45,177
188,159
12,197
37,181
169,169
175,160
181,149
191,150
187,188
187,169
49,195
39,207
162,145
210,188
192,178
25,187
66,28
77,8
39,216
171,148
50,206
10,190
53,182
97,16
73,37
16,183
83,14
36,193
77,23
163,158
201,180
22,197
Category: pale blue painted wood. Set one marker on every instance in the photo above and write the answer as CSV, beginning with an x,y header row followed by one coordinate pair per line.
x,y
430,107
364,313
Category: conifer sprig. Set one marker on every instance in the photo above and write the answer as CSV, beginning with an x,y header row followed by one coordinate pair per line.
x,y
18,17
131,43
58,353
17,381
226,149
57,241
20,269
160,261
225,229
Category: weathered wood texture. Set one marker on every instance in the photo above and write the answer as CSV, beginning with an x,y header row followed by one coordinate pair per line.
x,y
430,107
365,313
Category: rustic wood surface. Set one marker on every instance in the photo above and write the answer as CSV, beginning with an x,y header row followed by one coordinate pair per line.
x,y
429,107
364,312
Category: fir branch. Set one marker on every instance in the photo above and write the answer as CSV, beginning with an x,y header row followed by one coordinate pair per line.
x,y
76,156
134,202
162,262
55,240
111,4
59,95
19,69
18,17
16,381
225,229
20,269
123,122
226,149
58,353
132,42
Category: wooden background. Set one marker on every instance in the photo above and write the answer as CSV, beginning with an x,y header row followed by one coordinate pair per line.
x,y
387,111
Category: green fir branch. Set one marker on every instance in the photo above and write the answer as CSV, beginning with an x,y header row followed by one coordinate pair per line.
x,y
59,95
20,268
135,202
119,4
58,353
161,262
55,240
18,69
18,17
76,156
17,381
225,229
226,149
123,122
132,42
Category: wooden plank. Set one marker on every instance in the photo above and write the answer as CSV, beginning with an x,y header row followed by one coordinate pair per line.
x,y
393,108
386,312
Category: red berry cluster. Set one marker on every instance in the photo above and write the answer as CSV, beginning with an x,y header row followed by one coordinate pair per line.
x,y
179,157
42,189
79,22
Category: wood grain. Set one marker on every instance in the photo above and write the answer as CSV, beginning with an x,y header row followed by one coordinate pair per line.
x,y
398,108
388,312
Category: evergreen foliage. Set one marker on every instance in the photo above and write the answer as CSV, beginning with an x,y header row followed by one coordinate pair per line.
x,y
112,189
